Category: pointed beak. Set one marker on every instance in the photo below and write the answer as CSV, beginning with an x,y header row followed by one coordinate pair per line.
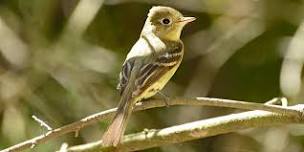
x,y
187,19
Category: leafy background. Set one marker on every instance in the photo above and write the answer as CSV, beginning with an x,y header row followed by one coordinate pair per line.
x,y
60,60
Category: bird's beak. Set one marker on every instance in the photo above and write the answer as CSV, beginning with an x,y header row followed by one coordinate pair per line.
x,y
187,19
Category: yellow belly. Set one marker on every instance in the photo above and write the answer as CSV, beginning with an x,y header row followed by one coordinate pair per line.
x,y
158,85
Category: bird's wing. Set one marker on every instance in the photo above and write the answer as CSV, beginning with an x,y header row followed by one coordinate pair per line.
x,y
151,69
125,74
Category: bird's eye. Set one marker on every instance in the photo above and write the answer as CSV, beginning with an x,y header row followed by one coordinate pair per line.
x,y
165,21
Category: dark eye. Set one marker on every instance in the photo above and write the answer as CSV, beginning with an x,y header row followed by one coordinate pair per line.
x,y
165,21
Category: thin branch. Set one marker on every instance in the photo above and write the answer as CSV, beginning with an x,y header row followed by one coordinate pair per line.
x,y
195,130
199,101
42,123
64,147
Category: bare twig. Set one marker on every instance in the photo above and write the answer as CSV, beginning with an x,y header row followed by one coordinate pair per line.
x,y
42,123
64,147
199,101
194,130
278,101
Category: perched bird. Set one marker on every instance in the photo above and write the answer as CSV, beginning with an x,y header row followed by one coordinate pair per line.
x,y
149,65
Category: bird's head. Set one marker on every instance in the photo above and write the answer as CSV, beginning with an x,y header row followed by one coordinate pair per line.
x,y
165,22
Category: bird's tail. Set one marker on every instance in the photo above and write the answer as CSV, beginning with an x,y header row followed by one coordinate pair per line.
x,y
115,131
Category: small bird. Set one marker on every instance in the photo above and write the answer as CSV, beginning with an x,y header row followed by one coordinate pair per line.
x,y
149,65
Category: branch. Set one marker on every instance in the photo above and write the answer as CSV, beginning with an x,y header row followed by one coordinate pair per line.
x,y
195,130
199,101
42,123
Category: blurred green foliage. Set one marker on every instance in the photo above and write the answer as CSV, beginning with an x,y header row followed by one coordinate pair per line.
x,y
62,69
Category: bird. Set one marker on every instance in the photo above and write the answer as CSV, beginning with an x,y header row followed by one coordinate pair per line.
x,y
149,65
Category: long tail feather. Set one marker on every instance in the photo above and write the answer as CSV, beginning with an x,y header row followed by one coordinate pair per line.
x,y
113,135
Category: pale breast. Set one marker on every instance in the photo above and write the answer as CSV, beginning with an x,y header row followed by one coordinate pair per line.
x,y
159,85
157,65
